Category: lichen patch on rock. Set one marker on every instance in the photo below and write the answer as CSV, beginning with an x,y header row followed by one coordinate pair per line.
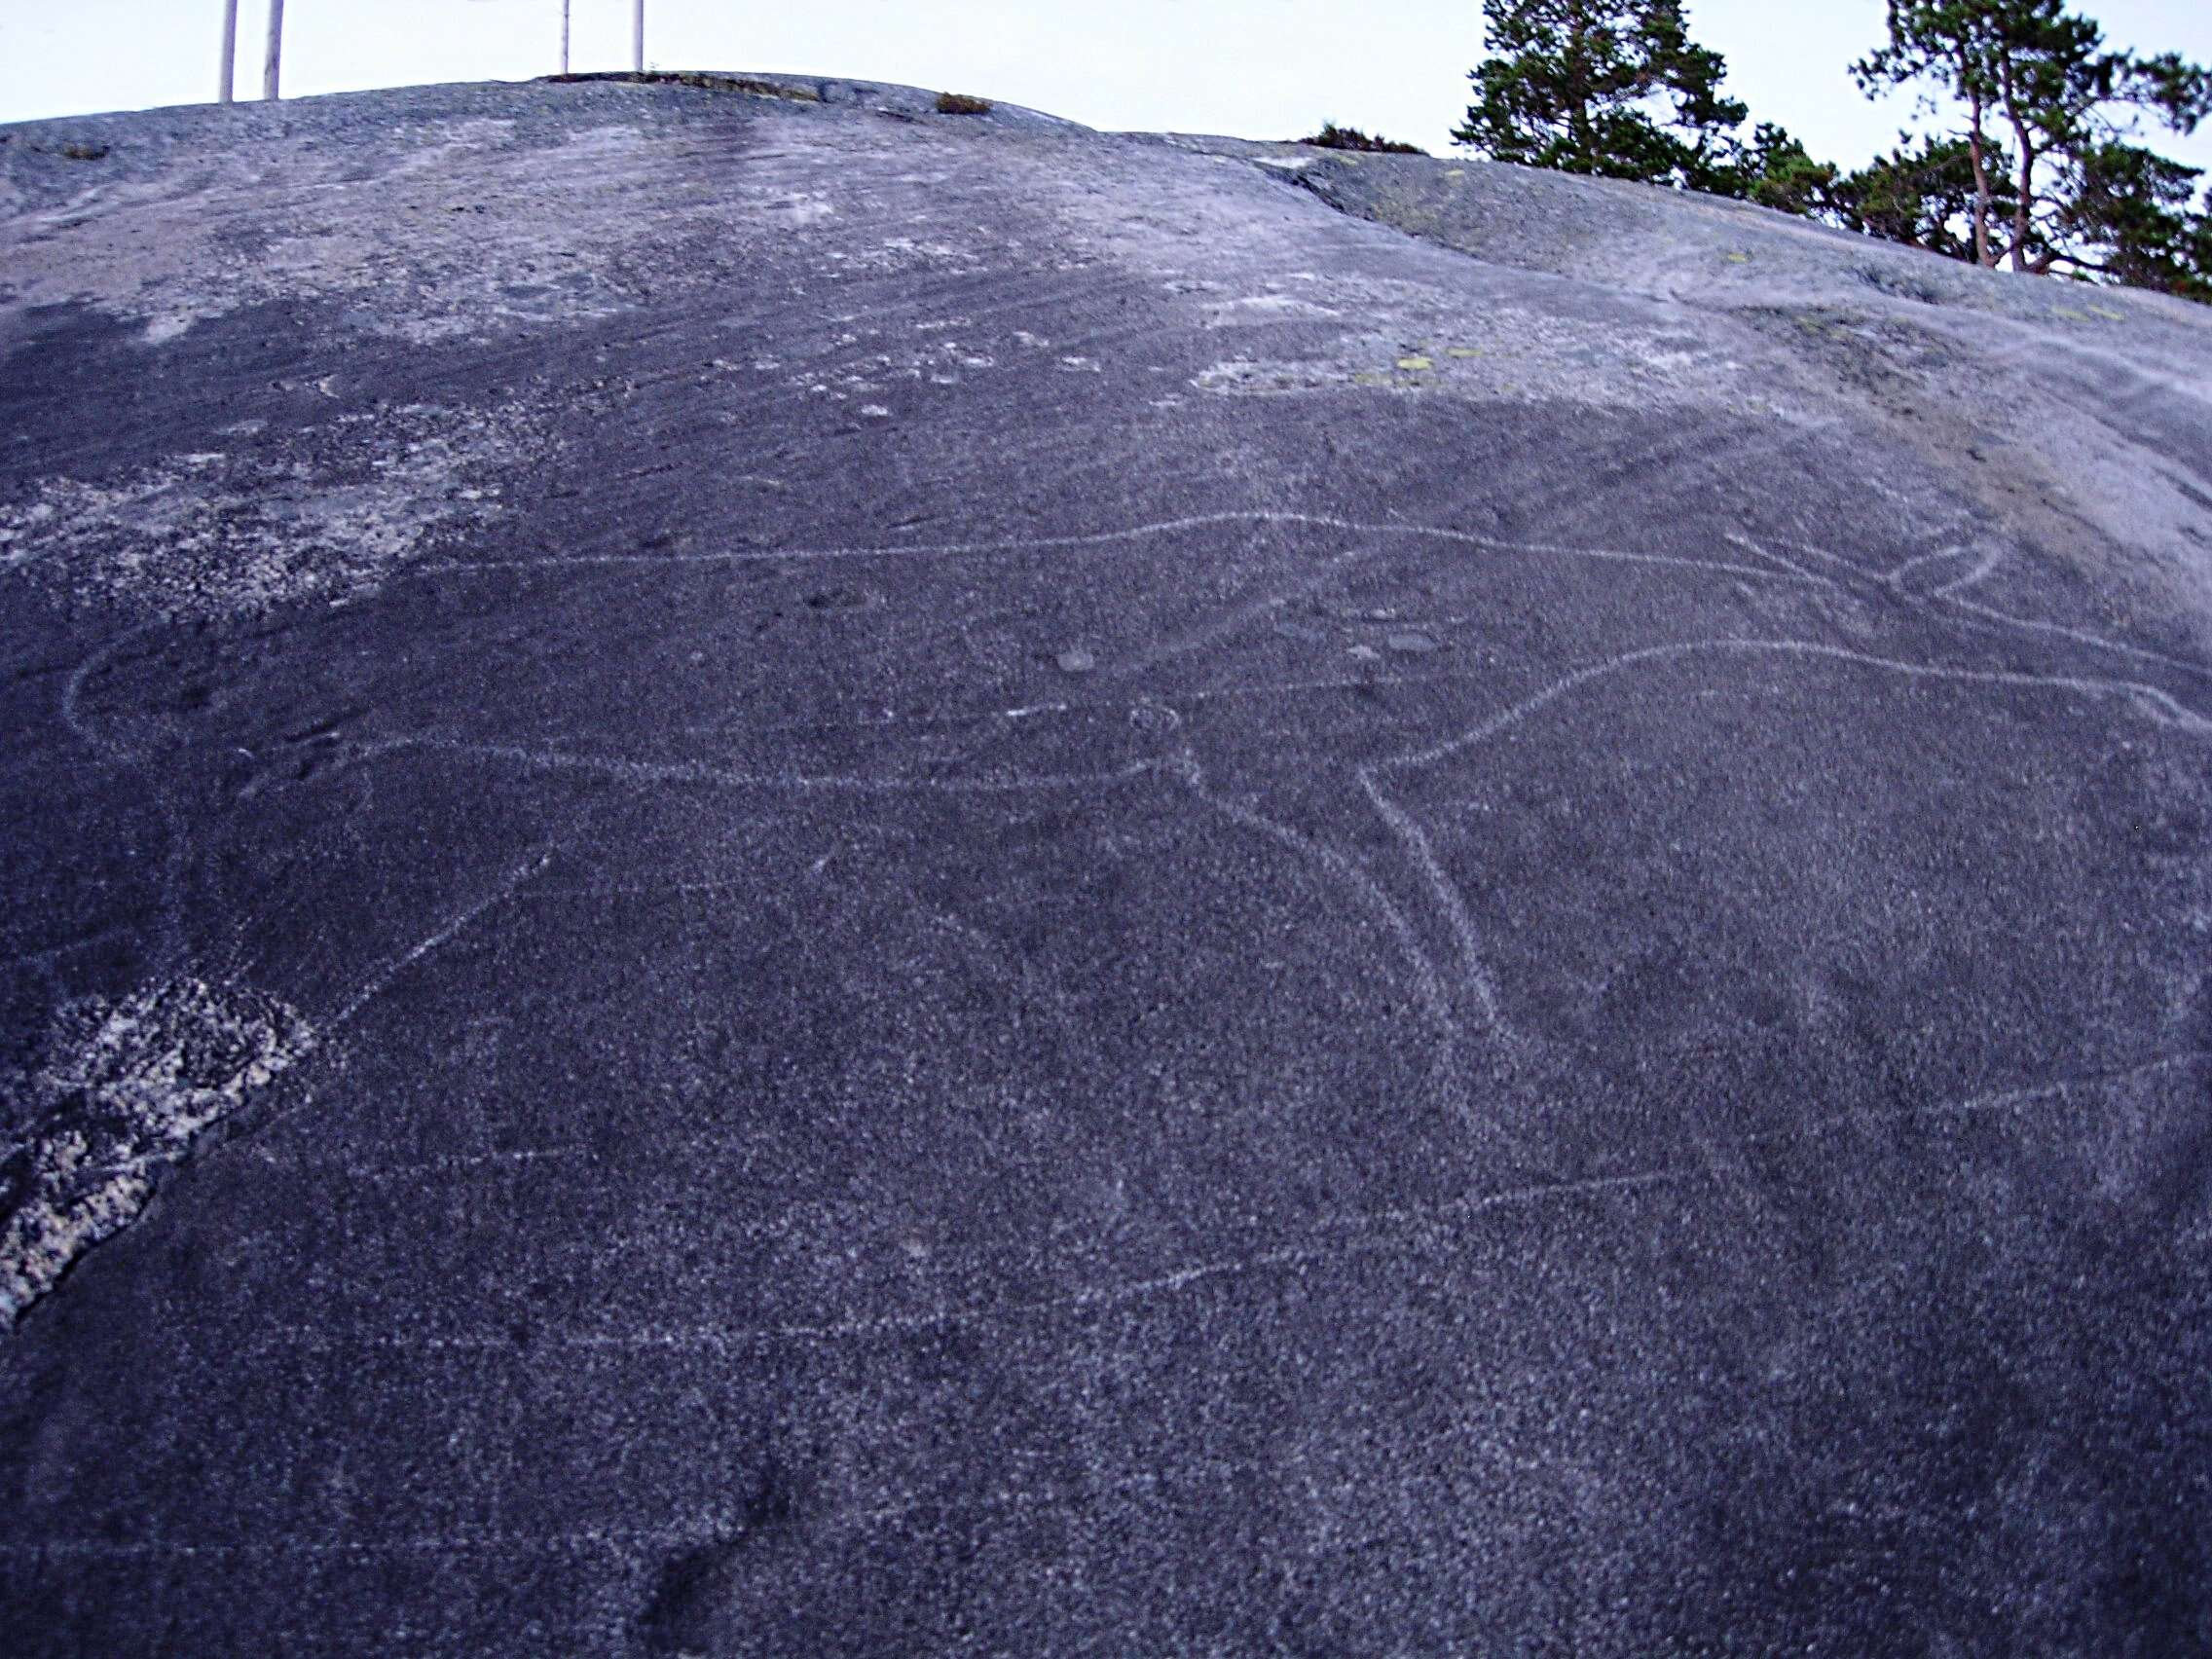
x,y
209,535
375,225
1496,353
120,1094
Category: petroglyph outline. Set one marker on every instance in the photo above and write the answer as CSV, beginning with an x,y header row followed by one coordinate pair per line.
x,y
1426,1217
1105,539
381,978
1427,985
637,771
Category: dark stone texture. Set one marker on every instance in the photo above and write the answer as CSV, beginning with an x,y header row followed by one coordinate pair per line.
x,y
826,880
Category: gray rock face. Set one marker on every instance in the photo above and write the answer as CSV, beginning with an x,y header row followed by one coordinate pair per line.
x,y
790,877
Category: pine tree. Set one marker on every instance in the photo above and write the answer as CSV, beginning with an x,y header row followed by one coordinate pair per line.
x,y
1924,195
1571,85
2085,199
2134,207
1781,173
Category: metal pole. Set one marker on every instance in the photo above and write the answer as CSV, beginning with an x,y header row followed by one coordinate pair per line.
x,y
638,35
275,50
564,36
230,47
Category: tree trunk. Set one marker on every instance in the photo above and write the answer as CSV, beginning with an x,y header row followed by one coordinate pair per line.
x,y
1982,198
2020,209
564,36
230,50
2023,208
270,64
1582,144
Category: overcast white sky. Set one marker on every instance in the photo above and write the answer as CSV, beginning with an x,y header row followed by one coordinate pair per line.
x,y
1255,68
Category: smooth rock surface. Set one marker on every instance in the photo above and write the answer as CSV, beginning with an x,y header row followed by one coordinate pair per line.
x,y
784,876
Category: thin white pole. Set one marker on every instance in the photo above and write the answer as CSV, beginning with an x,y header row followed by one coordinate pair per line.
x,y
275,49
638,35
564,36
230,47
